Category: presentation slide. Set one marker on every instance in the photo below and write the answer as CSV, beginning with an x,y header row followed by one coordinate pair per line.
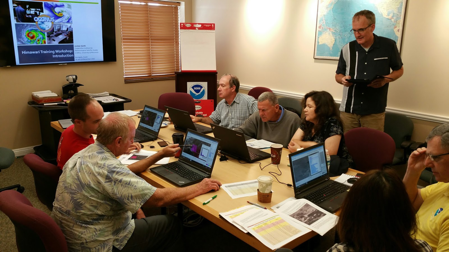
x,y
56,31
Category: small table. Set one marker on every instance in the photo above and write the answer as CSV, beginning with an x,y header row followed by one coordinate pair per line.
x,y
48,113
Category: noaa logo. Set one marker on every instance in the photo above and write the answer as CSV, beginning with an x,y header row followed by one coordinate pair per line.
x,y
44,23
197,91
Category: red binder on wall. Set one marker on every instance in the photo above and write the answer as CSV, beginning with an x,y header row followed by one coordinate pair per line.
x,y
204,107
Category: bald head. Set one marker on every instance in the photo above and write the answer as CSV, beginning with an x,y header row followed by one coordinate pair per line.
x,y
114,125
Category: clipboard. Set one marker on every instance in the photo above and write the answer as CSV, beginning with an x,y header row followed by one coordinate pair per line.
x,y
367,81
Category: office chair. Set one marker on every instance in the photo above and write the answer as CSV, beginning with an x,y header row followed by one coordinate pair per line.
x,y
7,158
371,149
46,177
256,91
35,230
291,104
178,100
400,128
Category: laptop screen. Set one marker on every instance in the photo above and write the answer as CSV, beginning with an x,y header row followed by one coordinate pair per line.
x,y
308,165
151,119
200,149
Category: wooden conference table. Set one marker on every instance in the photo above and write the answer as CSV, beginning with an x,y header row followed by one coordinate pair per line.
x,y
230,171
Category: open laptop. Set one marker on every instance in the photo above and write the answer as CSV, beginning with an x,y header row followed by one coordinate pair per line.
x,y
195,163
311,179
149,125
233,144
182,121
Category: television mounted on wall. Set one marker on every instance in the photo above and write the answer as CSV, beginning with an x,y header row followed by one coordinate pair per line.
x,y
56,32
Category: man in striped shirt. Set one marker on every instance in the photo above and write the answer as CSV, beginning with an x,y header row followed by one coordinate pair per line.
x,y
361,61
235,107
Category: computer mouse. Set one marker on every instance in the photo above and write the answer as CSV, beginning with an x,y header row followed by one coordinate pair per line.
x,y
352,180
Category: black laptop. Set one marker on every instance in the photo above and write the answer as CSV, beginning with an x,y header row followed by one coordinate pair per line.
x,y
149,125
233,144
182,121
311,179
195,163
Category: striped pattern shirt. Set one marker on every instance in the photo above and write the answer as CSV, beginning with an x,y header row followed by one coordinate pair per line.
x,y
382,57
233,115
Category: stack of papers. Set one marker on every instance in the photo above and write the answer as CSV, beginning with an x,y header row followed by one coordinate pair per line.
x,y
101,94
292,218
259,144
44,94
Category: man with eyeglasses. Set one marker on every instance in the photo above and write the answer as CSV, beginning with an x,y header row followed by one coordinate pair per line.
x,y
364,101
235,107
432,202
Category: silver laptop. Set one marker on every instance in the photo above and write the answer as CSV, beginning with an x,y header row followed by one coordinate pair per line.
x,y
311,179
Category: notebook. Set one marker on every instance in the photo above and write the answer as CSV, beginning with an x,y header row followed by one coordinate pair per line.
x,y
149,125
182,121
233,144
195,163
311,179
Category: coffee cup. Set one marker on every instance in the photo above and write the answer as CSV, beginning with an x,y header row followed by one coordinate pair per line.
x,y
276,153
264,192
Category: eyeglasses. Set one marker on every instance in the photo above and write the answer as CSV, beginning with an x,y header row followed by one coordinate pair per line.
x,y
435,158
361,30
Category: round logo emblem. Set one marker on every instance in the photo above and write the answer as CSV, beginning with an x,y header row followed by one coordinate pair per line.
x,y
44,23
197,91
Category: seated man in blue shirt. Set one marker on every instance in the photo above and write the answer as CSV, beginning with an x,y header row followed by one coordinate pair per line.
x,y
96,196
235,107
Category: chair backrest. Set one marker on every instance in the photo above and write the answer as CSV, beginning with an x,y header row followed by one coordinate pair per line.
x,y
7,158
399,127
178,100
256,91
35,230
370,148
291,104
46,177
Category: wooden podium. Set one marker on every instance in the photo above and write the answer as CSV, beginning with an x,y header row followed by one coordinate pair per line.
x,y
182,78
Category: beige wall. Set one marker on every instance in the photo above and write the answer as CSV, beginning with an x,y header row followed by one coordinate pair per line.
x,y
271,43
19,127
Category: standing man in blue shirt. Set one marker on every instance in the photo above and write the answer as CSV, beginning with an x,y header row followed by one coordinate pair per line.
x,y
367,56
20,12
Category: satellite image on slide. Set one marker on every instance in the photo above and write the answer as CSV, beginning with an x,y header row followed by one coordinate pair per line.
x,y
62,13
28,34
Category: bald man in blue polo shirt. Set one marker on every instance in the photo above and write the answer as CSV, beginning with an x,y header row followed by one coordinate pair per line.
x,y
369,55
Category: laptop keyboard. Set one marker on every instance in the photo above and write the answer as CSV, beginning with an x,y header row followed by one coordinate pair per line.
x,y
183,172
326,192
141,136
253,156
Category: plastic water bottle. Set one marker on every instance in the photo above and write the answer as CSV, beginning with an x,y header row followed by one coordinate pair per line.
x,y
328,160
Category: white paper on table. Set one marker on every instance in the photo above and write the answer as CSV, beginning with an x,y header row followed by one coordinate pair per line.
x,y
231,215
259,144
252,215
275,231
344,179
109,99
277,206
137,156
241,189
306,213
126,112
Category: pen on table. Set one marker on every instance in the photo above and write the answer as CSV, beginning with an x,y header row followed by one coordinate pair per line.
x,y
256,205
209,200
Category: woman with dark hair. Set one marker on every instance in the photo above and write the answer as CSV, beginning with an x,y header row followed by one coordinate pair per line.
x,y
321,124
377,215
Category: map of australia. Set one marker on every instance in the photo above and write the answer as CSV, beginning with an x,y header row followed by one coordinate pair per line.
x,y
334,23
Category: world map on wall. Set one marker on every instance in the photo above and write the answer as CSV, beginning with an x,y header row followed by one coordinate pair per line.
x,y
334,22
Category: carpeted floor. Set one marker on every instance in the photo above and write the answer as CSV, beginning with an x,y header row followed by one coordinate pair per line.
x,y
204,237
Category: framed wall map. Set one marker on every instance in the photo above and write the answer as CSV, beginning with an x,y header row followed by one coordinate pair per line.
x,y
334,22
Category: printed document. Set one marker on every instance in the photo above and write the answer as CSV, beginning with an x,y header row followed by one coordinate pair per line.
x,y
230,216
137,156
241,189
304,212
